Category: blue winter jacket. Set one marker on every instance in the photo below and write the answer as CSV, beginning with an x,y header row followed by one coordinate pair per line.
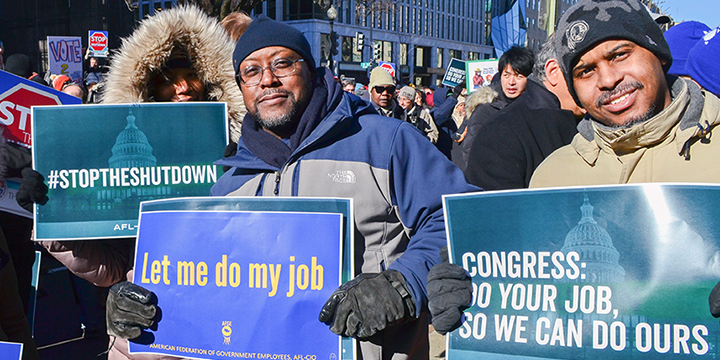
x,y
394,175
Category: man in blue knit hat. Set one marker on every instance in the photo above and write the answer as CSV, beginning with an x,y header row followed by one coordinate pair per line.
x,y
304,136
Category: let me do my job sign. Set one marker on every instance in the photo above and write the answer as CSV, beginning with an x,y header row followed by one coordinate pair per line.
x,y
241,278
615,272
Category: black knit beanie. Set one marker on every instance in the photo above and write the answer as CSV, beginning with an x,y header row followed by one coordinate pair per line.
x,y
264,32
590,22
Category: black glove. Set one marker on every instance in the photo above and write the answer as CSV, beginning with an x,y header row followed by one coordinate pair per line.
x,y
457,90
130,309
368,304
230,150
32,189
714,301
450,290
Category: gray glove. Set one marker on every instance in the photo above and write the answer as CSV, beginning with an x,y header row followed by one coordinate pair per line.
x,y
368,304
450,290
130,309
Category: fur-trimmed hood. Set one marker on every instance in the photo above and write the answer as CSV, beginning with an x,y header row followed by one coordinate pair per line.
x,y
483,95
149,47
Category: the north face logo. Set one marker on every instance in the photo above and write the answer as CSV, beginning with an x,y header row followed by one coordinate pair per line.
x,y
343,177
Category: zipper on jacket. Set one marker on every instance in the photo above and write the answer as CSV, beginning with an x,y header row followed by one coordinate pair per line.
x,y
277,183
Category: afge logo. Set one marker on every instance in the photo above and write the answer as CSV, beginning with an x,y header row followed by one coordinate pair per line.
x,y
226,331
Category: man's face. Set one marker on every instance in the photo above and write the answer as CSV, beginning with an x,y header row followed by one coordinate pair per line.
x,y
277,102
406,103
512,82
177,85
349,88
620,83
383,95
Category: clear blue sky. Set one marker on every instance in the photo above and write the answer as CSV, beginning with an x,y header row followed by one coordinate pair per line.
x,y
706,11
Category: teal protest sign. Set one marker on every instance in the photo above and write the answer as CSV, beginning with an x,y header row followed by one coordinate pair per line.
x,y
613,272
455,73
242,277
101,161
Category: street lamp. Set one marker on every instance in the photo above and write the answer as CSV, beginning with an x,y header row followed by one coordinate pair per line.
x,y
332,15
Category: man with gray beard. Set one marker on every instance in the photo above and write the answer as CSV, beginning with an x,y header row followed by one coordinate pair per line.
x,y
304,136
642,125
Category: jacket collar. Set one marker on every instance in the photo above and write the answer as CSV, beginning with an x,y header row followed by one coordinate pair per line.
x,y
685,109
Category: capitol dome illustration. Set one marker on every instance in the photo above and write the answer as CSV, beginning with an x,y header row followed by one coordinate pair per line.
x,y
131,148
595,247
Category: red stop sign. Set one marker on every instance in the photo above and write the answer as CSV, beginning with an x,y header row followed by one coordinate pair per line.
x,y
98,41
15,113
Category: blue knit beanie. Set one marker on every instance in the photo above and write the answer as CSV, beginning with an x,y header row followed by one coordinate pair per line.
x,y
264,32
681,38
702,62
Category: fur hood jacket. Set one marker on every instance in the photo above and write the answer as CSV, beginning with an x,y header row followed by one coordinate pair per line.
x,y
149,47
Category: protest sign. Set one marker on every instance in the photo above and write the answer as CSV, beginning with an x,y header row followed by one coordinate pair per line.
x,y
240,277
65,56
17,96
101,161
608,272
480,73
98,43
455,73
388,66
10,350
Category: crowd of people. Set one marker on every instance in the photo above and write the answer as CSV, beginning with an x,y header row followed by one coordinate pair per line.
x,y
608,99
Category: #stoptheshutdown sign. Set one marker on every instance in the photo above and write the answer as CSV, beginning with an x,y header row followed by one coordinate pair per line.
x,y
233,283
608,272
101,161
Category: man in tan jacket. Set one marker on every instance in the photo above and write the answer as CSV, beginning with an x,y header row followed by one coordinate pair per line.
x,y
642,125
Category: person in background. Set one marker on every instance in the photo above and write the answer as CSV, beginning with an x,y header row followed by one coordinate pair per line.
x,y
349,85
416,115
20,65
2,51
512,144
702,62
514,66
179,54
382,94
681,38
429,93
76,90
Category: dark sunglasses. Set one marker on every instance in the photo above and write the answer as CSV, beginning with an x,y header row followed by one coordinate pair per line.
x,y
381,89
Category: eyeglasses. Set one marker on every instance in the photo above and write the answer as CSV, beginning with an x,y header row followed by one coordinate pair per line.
x,y
382,89
252,75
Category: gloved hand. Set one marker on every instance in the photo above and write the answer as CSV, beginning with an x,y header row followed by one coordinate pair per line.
x,y
32,189
230,151
368,304
130,309
449,293
714,301
457,90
